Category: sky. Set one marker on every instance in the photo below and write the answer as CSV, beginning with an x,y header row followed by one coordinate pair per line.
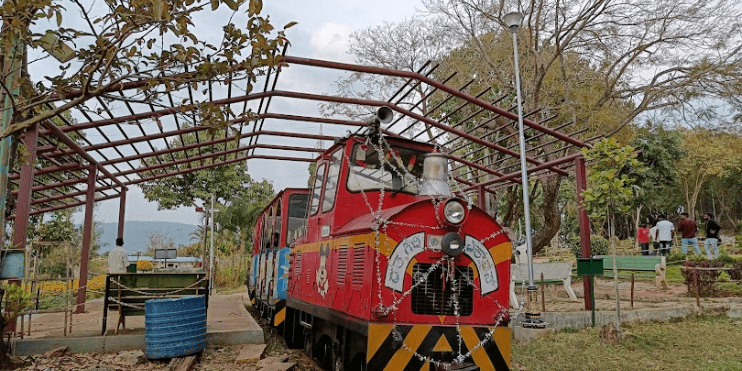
x,y
322,32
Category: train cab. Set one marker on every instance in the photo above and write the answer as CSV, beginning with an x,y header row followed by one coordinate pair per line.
x,y
394,271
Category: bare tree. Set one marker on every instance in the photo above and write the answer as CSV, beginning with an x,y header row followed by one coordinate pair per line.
x,y
407,46
602,63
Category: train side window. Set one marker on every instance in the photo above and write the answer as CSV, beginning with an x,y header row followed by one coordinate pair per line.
x,y
331,185
297,216
267,230
317,189
277,225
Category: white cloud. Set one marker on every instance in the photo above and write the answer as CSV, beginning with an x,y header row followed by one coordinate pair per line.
x,y
330,42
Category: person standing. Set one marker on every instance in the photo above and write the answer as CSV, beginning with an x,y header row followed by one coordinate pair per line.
x,y
712,235
642,236
117,259
687,228
655,242
665,233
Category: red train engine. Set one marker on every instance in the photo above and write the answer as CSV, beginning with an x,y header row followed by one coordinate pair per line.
x,y
392,271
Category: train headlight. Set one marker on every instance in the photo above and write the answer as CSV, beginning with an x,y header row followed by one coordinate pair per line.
x,y
454,212
452,244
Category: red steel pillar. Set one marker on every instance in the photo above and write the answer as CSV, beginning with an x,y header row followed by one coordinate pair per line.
x,y
584,220
23,202
482,200
87,234
122,214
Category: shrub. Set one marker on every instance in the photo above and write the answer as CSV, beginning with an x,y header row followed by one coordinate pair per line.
x,y
726,259
675,257
736,272
145,265
701,281
598,244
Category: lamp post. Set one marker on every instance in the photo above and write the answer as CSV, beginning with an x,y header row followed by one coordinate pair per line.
x,y
512,21
211,250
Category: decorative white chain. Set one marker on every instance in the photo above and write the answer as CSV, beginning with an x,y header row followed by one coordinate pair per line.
x,y
380,225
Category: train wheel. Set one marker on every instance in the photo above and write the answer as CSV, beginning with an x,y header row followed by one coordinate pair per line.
x,y
337,364
324,352
308,345
358,363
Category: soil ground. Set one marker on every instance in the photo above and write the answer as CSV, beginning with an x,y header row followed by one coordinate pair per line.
x,y
670,341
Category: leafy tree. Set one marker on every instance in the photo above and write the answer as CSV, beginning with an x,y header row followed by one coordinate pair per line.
x,y
60,228
585,64
116,41
226,182
708,155
659,150
723,197
611,180
240,216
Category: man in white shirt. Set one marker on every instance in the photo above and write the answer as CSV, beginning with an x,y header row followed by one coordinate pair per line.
x,y
664,234
117,260
655,242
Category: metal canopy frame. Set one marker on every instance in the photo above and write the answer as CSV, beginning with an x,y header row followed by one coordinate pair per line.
x,y
144,130
129,141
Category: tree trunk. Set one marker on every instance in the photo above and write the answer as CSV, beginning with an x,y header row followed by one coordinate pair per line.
x,y
550,211
612,239
636,225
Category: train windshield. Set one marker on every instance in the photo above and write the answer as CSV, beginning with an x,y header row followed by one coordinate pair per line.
x,y
397,169
297,217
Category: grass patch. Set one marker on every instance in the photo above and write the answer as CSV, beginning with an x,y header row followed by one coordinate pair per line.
x,y
697,343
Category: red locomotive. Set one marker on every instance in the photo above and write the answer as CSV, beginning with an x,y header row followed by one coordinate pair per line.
x,y
384,269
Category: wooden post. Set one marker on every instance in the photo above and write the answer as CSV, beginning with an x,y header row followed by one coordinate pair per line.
x,y
66,287
632,290
584,223
698,288
543,289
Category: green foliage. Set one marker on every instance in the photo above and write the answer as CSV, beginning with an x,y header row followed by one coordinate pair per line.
x,y
123,40
226,182
611,178
58,228
598,245
659,150
16,301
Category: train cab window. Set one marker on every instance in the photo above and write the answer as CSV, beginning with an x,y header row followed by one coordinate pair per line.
x,y
331,185
297,216
402,170
317,189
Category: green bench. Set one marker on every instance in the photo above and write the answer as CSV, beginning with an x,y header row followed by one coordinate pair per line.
x,y
127,292
641,265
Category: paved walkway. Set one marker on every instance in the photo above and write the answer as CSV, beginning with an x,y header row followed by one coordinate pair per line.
x,y
228,322
646,295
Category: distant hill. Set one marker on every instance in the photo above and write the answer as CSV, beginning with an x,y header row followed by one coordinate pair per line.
x,y
136,234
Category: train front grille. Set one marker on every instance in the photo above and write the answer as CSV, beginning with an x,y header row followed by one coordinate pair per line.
x,y
439,293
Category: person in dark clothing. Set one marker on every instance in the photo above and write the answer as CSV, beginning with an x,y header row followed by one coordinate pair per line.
x,y
712,234
687,228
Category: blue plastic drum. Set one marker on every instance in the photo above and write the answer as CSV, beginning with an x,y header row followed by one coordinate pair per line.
x,y
175,327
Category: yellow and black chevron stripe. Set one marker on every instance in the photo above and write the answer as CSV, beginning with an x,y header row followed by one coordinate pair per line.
x,y
280,314
384,352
